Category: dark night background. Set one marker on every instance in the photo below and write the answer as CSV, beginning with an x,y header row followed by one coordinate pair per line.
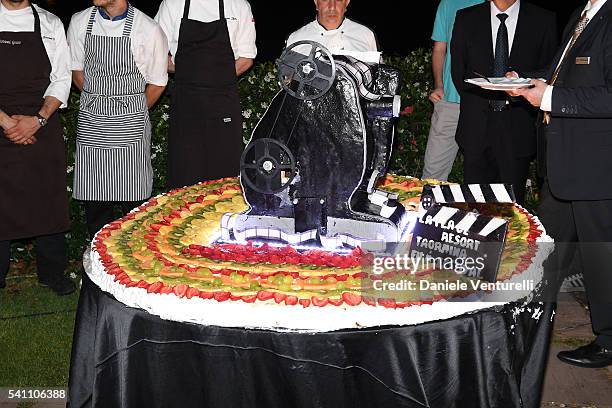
x,y
399,29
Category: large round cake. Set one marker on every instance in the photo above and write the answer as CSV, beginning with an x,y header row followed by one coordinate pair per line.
x,y
162,258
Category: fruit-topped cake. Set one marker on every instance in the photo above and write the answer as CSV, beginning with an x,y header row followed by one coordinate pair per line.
x,y
165,257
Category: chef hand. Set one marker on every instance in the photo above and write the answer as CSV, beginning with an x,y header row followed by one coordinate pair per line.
x,y
12,123
24,131
30,141
9,123
535,94
437,95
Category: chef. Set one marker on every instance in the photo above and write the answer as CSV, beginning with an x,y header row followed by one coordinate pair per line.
x,y
119,61
212,42
337,33
34,84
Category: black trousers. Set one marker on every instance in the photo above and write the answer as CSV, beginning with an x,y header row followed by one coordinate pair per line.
x,y
51,257
100,213
497,161
583,233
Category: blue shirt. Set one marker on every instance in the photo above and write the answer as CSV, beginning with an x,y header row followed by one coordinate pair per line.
x,y
116,18
443,32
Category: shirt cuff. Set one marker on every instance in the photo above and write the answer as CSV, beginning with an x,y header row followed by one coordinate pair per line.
x,y
76,66
60,91
245,54
546,104
161,81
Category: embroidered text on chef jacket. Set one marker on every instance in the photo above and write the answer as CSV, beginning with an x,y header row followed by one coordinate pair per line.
x,y
54,40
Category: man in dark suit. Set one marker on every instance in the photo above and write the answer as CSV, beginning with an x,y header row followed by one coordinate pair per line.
x,y
576,129
496,134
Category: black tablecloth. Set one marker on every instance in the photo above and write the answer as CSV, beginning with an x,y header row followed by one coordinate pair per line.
x,y
125,357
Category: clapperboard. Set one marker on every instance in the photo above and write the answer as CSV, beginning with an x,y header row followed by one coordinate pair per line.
x,y
445,233
466,193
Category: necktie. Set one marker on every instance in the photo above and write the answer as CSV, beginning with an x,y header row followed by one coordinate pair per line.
x,y
580,26
582,23
500,64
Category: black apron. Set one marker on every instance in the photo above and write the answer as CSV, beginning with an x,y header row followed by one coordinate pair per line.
x,y
33,197
205,140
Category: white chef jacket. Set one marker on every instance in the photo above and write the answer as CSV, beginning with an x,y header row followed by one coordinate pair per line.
x,y
240,22
149,44
350,36
54,40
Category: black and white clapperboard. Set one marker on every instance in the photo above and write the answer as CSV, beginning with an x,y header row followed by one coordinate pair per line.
x,y
466,193
447,232
488,233
472,243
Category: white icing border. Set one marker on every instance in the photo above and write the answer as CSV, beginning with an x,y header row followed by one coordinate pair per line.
x,y
270,316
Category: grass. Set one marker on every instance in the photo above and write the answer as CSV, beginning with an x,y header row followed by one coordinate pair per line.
x,y
570,343
36,328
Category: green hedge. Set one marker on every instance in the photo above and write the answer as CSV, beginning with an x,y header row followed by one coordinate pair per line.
x,y
257,89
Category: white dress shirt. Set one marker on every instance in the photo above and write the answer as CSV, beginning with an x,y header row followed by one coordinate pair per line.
x,y
54,40
240,22
511,22
149,44
350,38
592,10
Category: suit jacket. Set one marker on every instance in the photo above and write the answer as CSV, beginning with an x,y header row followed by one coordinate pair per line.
x,y
534,45
579,137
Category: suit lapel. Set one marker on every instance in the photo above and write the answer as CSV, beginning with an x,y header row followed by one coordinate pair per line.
x,y
567,36
487,35
521,35
591,29
593,26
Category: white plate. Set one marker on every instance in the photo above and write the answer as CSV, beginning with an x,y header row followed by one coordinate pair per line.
x,y
500,84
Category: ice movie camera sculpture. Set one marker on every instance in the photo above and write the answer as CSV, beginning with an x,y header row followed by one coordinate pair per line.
x,y
310,170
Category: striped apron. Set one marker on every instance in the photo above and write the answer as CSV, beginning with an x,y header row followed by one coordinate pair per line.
x,y
113,148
